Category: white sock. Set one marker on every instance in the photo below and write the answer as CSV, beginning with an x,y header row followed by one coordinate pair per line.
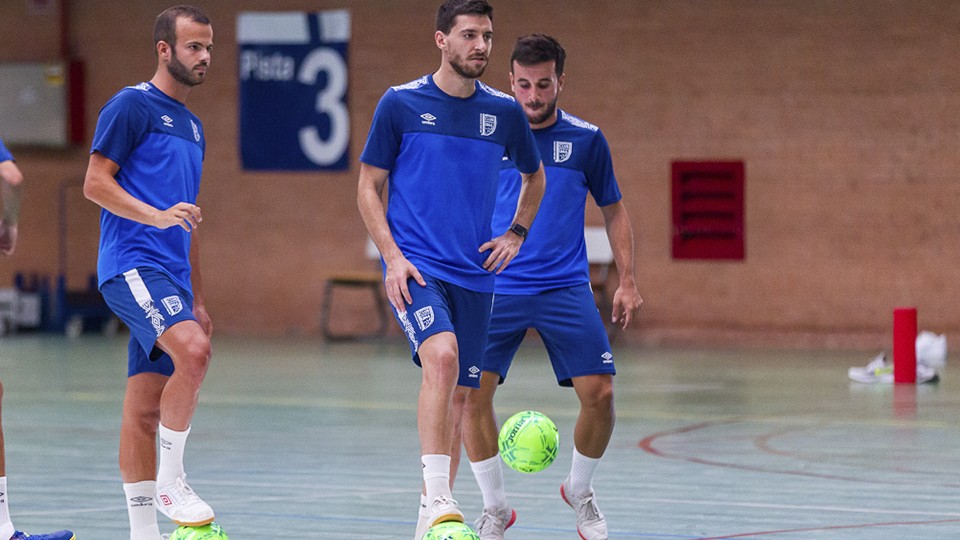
x,y
581,473
436,475
489,475
6,527
141,510
172,444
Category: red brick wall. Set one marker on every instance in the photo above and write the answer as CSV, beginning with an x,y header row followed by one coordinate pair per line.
x,y
844,112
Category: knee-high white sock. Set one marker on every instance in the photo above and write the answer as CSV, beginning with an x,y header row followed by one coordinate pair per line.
x,y
141,510
489,475
6,527
172,444
581,473
436,475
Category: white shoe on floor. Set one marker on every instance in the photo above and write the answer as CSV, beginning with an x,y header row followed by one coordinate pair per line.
x,y
591,523
493,522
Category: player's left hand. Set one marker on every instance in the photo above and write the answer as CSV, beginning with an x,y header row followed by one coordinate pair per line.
x,y
8,238
626,305
203,318
502,250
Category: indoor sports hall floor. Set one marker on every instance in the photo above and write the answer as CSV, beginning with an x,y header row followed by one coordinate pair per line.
x,y
299,439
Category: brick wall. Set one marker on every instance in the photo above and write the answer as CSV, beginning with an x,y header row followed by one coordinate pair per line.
x,y
845,113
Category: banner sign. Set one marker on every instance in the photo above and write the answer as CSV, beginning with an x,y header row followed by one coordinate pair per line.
x,y
293,90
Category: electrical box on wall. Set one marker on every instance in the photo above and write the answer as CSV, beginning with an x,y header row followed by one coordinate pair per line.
x,y
42,103
708,209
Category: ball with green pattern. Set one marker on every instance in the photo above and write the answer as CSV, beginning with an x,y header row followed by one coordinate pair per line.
x,y
211,531
451,530
529,441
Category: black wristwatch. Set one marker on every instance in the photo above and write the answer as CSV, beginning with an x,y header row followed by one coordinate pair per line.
x,y
519,230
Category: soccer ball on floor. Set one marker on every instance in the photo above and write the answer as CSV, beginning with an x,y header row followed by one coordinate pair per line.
x,y
451,530
529,441
211,531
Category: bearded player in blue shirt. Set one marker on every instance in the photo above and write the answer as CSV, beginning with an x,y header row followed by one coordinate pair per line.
x,y
144,170
440,141
547,287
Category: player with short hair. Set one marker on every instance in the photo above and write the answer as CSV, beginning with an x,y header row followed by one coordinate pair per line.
x,y
547,287
439,140
11,191
145,168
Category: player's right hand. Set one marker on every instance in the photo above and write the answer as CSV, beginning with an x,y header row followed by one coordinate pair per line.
x,y
8,238
182,214
396,282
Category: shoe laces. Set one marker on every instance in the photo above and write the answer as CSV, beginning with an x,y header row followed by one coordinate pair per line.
x,y
443,499
491,519
589,511
189,495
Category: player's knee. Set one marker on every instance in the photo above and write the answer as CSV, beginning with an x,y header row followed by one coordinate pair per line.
x,y
600,399
195,358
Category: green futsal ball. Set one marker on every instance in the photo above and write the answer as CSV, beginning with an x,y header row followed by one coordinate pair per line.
x,y
451,530
211,531
529,441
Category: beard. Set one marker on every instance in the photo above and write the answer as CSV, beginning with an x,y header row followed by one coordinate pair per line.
x,y
465,70
181,73
543,114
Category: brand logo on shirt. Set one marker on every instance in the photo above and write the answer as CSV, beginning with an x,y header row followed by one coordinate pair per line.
x,y
428,119
488,124
173,304
562,151
424,317
196,131
167,121
607,357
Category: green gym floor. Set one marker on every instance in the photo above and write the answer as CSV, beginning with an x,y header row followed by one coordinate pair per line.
x,y
302,439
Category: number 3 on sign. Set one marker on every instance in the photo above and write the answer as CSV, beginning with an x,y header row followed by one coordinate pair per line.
x,y
329,102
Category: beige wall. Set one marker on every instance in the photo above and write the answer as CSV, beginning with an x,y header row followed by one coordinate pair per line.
x,y
845,112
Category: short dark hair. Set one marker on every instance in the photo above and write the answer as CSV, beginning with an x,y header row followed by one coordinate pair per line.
x,y
447,14
538,48
165,27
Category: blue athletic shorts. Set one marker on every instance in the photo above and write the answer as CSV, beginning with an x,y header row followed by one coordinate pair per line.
x,y
569,324
444,307
148,302
5,154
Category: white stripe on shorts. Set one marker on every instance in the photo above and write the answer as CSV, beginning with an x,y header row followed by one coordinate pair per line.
x,y
137,288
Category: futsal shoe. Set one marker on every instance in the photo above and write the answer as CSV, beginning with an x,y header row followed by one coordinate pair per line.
x,y
178,502
444,509
591,524
880,370
59,535
494,522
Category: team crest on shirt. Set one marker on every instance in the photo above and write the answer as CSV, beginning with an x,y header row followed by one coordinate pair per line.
x,y
424,317
173,304
562,151
196,131
488,124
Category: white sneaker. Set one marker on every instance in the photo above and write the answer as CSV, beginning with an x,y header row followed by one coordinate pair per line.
x,y
444,509
493,522
184,507
591,523
879,370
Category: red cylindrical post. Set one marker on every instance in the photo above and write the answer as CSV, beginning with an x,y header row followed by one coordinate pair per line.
x,y
905,345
